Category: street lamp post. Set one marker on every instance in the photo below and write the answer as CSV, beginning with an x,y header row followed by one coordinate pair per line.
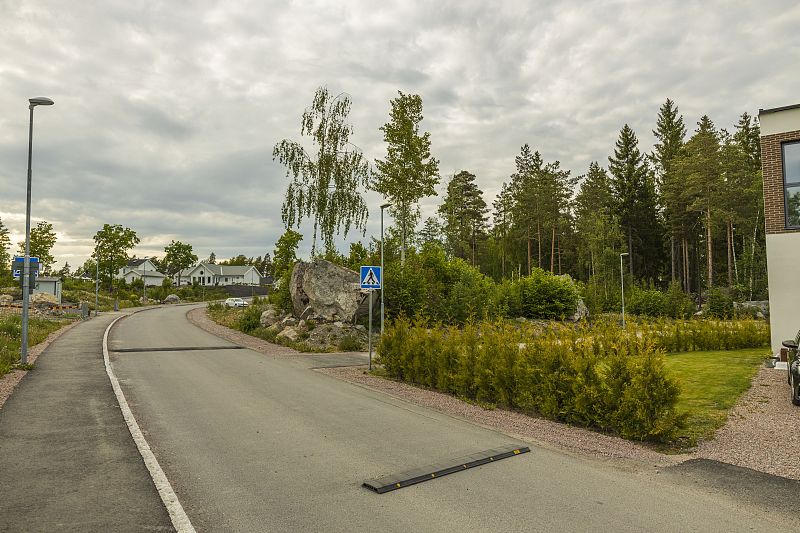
x,y
622,285
144,279
383,274
26,269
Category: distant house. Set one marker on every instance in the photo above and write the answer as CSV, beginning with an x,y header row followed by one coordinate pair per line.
x,y
213,274
142,269
48,285
780,163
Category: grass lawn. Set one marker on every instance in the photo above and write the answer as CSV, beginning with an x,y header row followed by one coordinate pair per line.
x,y
711,383
11,332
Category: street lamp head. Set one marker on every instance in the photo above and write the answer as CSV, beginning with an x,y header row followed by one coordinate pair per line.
x,y
40,100
384,206
623,253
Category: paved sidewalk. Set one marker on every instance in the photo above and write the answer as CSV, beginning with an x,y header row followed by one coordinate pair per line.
x,y
67,460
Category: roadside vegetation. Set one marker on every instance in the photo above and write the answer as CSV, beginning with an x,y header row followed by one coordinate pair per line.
x,y
11,334
593,375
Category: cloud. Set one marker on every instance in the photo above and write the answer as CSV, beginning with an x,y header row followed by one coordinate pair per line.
x,y
165,118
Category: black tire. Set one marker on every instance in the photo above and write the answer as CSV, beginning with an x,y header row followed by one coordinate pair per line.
x,y
795,395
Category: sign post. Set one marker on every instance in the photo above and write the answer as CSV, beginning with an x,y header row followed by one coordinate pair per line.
x,y
371,277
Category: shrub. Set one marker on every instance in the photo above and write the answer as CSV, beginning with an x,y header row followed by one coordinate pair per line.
x,y
678,304
719,304
543,295
349,343
249,320
647,302
599,377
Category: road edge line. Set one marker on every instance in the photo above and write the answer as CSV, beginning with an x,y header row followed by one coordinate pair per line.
x,y
180,521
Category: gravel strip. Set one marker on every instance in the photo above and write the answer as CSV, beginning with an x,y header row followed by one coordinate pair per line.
x,y
761,432
762,429
12,379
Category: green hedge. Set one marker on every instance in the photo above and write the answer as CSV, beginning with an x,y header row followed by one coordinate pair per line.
x,y
599,377
703,334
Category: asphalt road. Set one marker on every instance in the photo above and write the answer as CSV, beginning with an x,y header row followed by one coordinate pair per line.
x,y
254,443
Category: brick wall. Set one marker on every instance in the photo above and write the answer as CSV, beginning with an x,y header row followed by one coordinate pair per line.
x,y
772,168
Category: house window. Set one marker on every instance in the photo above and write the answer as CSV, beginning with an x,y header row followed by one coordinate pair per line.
x,y
226,280
791,183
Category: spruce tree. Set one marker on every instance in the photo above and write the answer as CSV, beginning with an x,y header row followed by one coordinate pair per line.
x,y
670,132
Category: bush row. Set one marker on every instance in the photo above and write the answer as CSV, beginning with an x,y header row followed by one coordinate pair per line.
x,y
706,334
454,291
598,377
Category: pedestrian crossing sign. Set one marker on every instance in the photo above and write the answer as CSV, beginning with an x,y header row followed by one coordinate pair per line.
x,y
370,277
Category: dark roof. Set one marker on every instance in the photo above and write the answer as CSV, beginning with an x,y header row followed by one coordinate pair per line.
x,y
135,262
776,109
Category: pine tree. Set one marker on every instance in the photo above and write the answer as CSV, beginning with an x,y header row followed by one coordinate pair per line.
x,y
431,232
633,187
502,222
670,132
701,173
463,211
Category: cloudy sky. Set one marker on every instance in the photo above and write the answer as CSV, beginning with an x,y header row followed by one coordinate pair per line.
x,y
167,112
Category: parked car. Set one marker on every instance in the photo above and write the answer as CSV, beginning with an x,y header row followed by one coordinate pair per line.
x,y
235,302
793,367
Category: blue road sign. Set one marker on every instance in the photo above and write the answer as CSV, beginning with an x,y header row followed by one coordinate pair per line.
x,y
18,265
370,277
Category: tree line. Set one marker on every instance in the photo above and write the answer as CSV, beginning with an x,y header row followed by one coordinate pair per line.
x,y
689,213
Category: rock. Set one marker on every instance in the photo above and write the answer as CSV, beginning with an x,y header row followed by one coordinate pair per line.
x,y
338,324
275,328
361,328
6,299
331,291
301,324
269,316
581,312
289,333
758,308
43,298
172,299
289,321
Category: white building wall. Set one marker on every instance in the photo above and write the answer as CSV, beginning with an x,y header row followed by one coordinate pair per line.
x,y
783,271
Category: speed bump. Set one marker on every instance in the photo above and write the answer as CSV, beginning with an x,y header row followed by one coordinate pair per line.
x,y
412,477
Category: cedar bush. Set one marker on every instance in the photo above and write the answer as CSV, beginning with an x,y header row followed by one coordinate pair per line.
x,y
707,334
599,377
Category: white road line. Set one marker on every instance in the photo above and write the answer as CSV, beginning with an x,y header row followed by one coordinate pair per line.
x,y
178,516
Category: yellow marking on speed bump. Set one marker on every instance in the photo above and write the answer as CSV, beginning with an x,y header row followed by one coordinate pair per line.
x,y
516,452
398,485
433,475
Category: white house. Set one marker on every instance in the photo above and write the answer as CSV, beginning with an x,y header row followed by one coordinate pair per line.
x,y
780,164
212,274
143,269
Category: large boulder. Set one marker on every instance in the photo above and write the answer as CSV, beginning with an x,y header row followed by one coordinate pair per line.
x,y
6,299
581,312
172,299
43,298
331,292
290,333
